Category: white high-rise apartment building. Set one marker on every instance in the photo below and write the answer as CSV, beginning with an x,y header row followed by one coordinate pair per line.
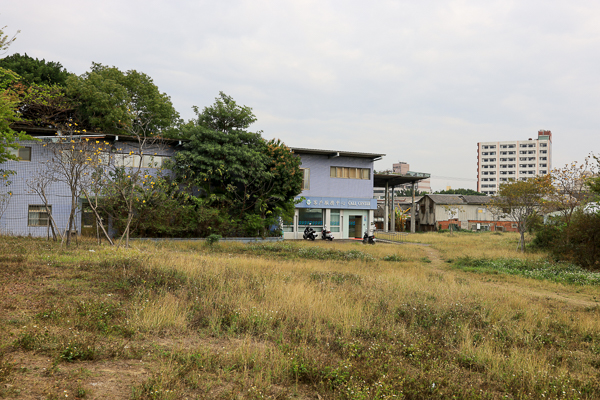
x,y
499,162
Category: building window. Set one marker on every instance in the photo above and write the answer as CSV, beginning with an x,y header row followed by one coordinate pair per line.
x,y
543,172
335,220
543,145
38,216
310,216
523,152
350,173
503,153
24,153
512,152
543,151
305,178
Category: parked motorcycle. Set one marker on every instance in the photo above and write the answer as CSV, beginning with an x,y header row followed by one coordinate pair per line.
x,y
326,235
370,239
309,233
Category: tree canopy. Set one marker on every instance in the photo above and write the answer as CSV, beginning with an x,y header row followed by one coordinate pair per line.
x,y
236,169
522,200
113,101
464,192
35,71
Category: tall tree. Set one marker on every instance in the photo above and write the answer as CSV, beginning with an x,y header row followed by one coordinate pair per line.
x,y
35,71
237,170
570,188
8,138
119,102
522,200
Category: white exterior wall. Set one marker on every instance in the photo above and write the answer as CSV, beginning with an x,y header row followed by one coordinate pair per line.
x,y
498,162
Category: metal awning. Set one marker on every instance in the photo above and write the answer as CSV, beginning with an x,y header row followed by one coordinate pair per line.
x,y
389,180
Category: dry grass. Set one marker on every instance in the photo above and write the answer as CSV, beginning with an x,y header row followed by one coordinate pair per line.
x,y
303,320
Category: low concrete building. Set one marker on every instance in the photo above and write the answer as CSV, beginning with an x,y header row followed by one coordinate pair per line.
x,y
439,211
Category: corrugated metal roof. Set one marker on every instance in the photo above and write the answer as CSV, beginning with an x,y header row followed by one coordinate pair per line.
x,y
458,199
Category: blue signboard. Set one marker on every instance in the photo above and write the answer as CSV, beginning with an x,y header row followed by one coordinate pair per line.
x,y
343,203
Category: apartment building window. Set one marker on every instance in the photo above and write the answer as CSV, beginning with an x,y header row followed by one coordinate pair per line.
x,y
503,159
485,160
543,151
523,152
485,154
532,152
504,179
512,152
492,160
503,153
543,158
512,159
485,179
512,146
543,165
511,172
38,216
305,178
543,145
542,172
523,145
492,166
503,166
23,153
492,153
492,179
350,173
503,146
484,147
493,146
493,173
502,172
485,173
522,165
531,159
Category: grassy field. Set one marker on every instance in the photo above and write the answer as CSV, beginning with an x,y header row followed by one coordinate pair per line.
x,y
464,316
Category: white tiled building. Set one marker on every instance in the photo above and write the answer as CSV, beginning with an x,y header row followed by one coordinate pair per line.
x,y
499,162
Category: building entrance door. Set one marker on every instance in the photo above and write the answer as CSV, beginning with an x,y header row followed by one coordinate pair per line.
x,y
355,226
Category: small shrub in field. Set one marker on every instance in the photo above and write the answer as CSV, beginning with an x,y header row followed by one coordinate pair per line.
x,y
213,239
75,351
394,257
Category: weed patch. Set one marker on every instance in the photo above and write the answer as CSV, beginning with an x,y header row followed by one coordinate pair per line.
x,y
542,269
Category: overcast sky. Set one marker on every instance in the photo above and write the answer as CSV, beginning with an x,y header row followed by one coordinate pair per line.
x,y
421,81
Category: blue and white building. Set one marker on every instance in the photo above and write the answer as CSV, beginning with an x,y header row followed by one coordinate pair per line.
x,y
25,213
337,192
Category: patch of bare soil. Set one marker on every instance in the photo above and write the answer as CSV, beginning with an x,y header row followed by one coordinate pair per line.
x,y
38,377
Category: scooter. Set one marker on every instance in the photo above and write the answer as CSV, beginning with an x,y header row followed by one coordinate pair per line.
x,y
326,235
370,239
309,233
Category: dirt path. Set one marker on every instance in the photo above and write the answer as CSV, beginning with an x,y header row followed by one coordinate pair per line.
x,y
567,297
